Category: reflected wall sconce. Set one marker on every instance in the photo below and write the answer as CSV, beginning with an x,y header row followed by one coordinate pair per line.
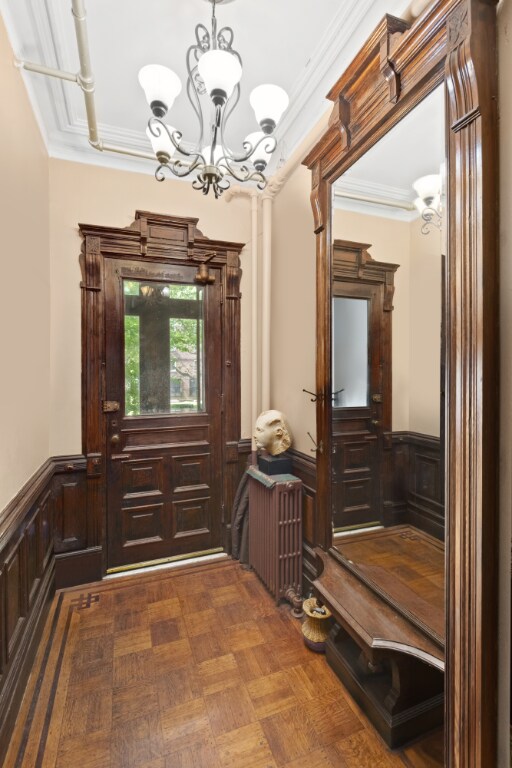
x,y
428,201
213,88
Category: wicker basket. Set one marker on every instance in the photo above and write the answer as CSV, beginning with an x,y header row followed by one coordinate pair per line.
x,y
315,627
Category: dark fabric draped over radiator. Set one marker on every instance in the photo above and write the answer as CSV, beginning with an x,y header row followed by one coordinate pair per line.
x,y
240,525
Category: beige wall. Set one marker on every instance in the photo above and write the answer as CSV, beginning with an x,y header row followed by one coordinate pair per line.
x,y
25,304
425,330
293,330
91,195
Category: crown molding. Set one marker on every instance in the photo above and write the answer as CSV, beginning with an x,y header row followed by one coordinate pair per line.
x,y
374,199
57,110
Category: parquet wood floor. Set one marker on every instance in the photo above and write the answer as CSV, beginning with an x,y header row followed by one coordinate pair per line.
x,y
186,669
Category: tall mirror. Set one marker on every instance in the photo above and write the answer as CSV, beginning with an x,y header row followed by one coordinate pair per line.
x,y
387,367
381,438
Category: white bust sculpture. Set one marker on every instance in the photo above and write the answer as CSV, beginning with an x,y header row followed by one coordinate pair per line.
x,y
271,432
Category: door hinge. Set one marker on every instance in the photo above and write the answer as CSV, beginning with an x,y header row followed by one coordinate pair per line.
x,y
111,406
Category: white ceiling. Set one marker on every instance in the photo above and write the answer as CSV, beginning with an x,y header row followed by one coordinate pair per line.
x,y
302,45
415,147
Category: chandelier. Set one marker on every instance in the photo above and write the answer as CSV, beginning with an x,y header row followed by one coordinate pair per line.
x,y
429,200
213,89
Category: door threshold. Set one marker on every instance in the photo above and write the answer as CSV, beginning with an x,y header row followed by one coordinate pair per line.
x,y
341,533
180,561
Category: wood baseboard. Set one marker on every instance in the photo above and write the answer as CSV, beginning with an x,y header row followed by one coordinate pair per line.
x,y
74,568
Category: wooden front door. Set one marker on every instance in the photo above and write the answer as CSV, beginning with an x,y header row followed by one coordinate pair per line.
x,y
358,368
163,410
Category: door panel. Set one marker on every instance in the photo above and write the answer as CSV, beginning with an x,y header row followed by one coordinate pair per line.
x,y
357,404
163,368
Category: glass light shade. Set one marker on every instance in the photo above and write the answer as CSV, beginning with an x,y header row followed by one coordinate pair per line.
x,y
420,205
161,143
262,153
269,102
159,84
428,186
220,71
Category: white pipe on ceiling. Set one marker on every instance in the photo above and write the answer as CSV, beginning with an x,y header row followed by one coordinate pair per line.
x,y
85,79
254,315
266,300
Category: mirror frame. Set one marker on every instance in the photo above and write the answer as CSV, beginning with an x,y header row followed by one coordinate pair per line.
x,y
453,41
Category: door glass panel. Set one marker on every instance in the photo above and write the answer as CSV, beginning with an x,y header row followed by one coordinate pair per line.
x,y
350,352
163,348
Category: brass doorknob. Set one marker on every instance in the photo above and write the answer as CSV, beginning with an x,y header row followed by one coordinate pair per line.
x,y
375,423
115,439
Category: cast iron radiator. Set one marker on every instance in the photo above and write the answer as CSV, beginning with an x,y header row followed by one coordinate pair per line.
x,y
275,531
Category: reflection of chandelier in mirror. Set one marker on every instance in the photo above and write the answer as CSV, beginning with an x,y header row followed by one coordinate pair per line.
x,y
428,202
213,89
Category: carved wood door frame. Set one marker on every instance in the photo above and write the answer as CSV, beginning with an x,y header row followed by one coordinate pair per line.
x,y
452,42
152,238
363,435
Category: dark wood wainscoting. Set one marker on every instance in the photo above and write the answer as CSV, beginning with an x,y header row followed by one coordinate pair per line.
x,y
304,467
27,584
75,561
43,546
417,491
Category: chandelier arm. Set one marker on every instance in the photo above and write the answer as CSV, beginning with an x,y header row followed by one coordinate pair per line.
x,y
250,149
203,38
156,126
194,53
226,114
226,43
197,109
180,169
431,218
242,173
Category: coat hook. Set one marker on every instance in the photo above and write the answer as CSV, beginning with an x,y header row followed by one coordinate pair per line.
x,y
317,448
316,395
310,435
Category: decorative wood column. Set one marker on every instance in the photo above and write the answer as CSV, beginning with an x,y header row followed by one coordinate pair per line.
x,y
472,407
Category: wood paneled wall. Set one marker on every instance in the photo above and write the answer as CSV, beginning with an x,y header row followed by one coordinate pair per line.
x,y
45,517
304,467
417,491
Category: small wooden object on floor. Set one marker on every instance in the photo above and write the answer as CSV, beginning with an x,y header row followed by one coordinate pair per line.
x,y
316,626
